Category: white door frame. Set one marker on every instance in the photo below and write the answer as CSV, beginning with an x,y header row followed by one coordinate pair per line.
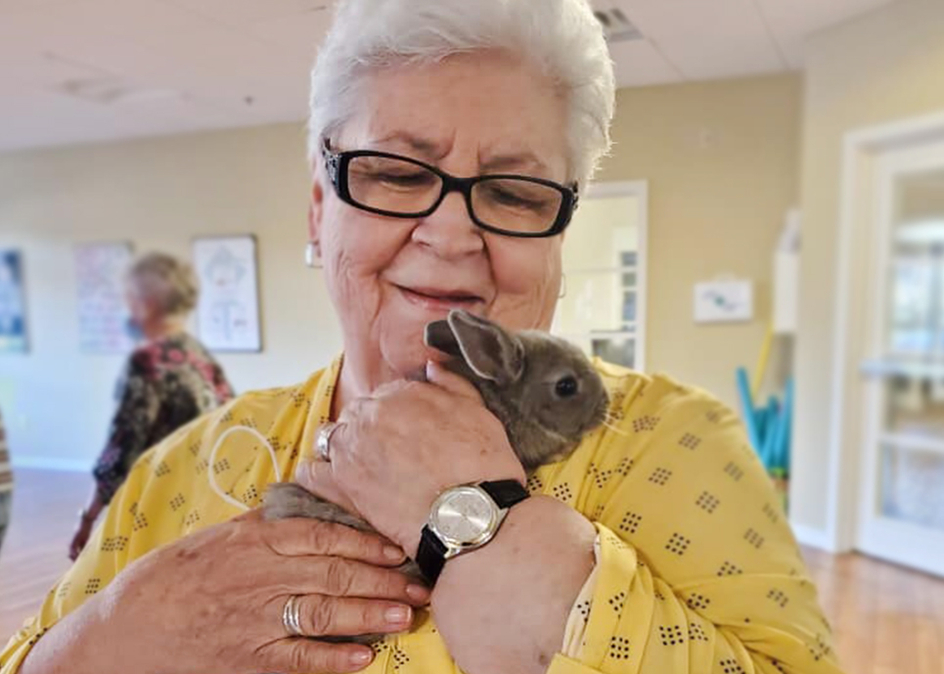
x,y
862,152
640,190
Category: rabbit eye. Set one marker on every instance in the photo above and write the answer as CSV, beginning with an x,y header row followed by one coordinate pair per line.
x,y
566,387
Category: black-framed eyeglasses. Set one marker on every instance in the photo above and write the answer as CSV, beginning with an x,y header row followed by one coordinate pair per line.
x,y
401,187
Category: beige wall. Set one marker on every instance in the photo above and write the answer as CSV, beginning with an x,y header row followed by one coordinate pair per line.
x,y
721,159
888,65
159,194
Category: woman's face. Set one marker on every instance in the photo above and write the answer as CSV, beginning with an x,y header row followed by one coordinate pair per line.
x,y
388,277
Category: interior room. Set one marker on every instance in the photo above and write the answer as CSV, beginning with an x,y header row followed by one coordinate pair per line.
x,y
767,227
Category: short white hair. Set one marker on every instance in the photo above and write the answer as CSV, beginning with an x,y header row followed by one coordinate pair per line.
x,y
562,38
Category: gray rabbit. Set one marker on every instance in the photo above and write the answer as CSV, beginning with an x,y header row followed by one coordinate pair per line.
x,y
544,390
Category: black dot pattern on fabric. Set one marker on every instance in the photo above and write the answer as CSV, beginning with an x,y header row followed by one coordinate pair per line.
x,y
697,633
729,569
708,502
250,494
672,635
618,601
734,471
698,602
201,466
619,648
162,469
678,544
630,523
645,424
248,422
115,544
584,608
535,485
192,518
92,586
820,648
778,597
660,476
400,659
194,448
690,441
140,522
562,492
221,465
731,666
600,477
754,538
771,513
177,502
624,466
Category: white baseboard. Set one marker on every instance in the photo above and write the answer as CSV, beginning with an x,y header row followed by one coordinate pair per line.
x,y
813,538
50,463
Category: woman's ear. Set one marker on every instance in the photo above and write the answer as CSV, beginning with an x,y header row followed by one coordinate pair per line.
x,y
316,213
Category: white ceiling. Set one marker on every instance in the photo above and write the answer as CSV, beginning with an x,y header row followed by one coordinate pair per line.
x,y
90,70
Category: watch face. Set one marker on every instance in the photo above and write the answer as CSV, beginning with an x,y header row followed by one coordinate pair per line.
x,y
463,516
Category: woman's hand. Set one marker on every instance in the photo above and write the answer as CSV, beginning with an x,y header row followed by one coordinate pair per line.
x,y
396,450
213,602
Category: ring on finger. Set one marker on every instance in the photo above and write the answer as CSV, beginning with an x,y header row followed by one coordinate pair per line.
x,y
323,440
291,617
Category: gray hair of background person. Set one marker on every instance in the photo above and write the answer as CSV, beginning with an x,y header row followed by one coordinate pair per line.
x,y
561,37
167,281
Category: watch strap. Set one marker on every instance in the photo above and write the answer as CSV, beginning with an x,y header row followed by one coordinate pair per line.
x,y
430,555
505,493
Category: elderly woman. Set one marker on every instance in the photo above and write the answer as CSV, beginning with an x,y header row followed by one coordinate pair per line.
x,y
168,381
448,141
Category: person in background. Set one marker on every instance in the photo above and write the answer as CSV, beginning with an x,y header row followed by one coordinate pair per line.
x,y
6,483
169,380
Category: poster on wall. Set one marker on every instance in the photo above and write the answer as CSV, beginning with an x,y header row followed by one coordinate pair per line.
x,y
13,337
228,312
103,315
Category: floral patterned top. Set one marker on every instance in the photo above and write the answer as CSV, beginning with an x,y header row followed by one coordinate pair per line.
x,y
167,383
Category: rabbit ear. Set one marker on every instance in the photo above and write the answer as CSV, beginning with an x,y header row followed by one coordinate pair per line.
x,y
440,337
491,352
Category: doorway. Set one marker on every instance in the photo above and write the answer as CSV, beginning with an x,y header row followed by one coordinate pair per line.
x,y
889,430
603,308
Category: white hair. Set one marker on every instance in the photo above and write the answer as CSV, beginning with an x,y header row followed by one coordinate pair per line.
x,y
560,37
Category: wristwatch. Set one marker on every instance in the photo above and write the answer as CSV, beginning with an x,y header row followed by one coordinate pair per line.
x,y
463,519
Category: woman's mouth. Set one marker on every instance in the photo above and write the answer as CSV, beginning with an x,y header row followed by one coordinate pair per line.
x,y
440,300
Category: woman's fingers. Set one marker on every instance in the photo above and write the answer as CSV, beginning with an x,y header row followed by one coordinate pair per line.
x,y
304,656
340,577
322,616
436,373
298,537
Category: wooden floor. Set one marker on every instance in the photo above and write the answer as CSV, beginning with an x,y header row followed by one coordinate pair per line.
x,y
887,620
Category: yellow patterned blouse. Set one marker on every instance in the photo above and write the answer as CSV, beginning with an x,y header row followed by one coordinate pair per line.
x,y
697,570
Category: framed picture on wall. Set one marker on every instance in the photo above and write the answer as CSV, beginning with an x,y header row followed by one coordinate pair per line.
x,y
13,337
100,269
228,317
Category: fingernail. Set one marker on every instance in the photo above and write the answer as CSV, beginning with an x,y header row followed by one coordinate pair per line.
x,y
393,553
361,658
417,592
397,615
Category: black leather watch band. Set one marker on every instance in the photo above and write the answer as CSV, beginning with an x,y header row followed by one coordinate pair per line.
x,y
430,555
505,493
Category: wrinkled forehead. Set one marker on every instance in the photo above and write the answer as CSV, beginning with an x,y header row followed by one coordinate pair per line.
x,y
486,109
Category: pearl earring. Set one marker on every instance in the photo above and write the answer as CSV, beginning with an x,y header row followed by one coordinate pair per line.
x,y
312,259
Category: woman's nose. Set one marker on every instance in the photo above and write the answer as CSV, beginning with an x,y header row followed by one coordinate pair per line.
x,y
449,230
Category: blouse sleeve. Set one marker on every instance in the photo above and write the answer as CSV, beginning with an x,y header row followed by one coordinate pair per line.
x,y
138,407
697,569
